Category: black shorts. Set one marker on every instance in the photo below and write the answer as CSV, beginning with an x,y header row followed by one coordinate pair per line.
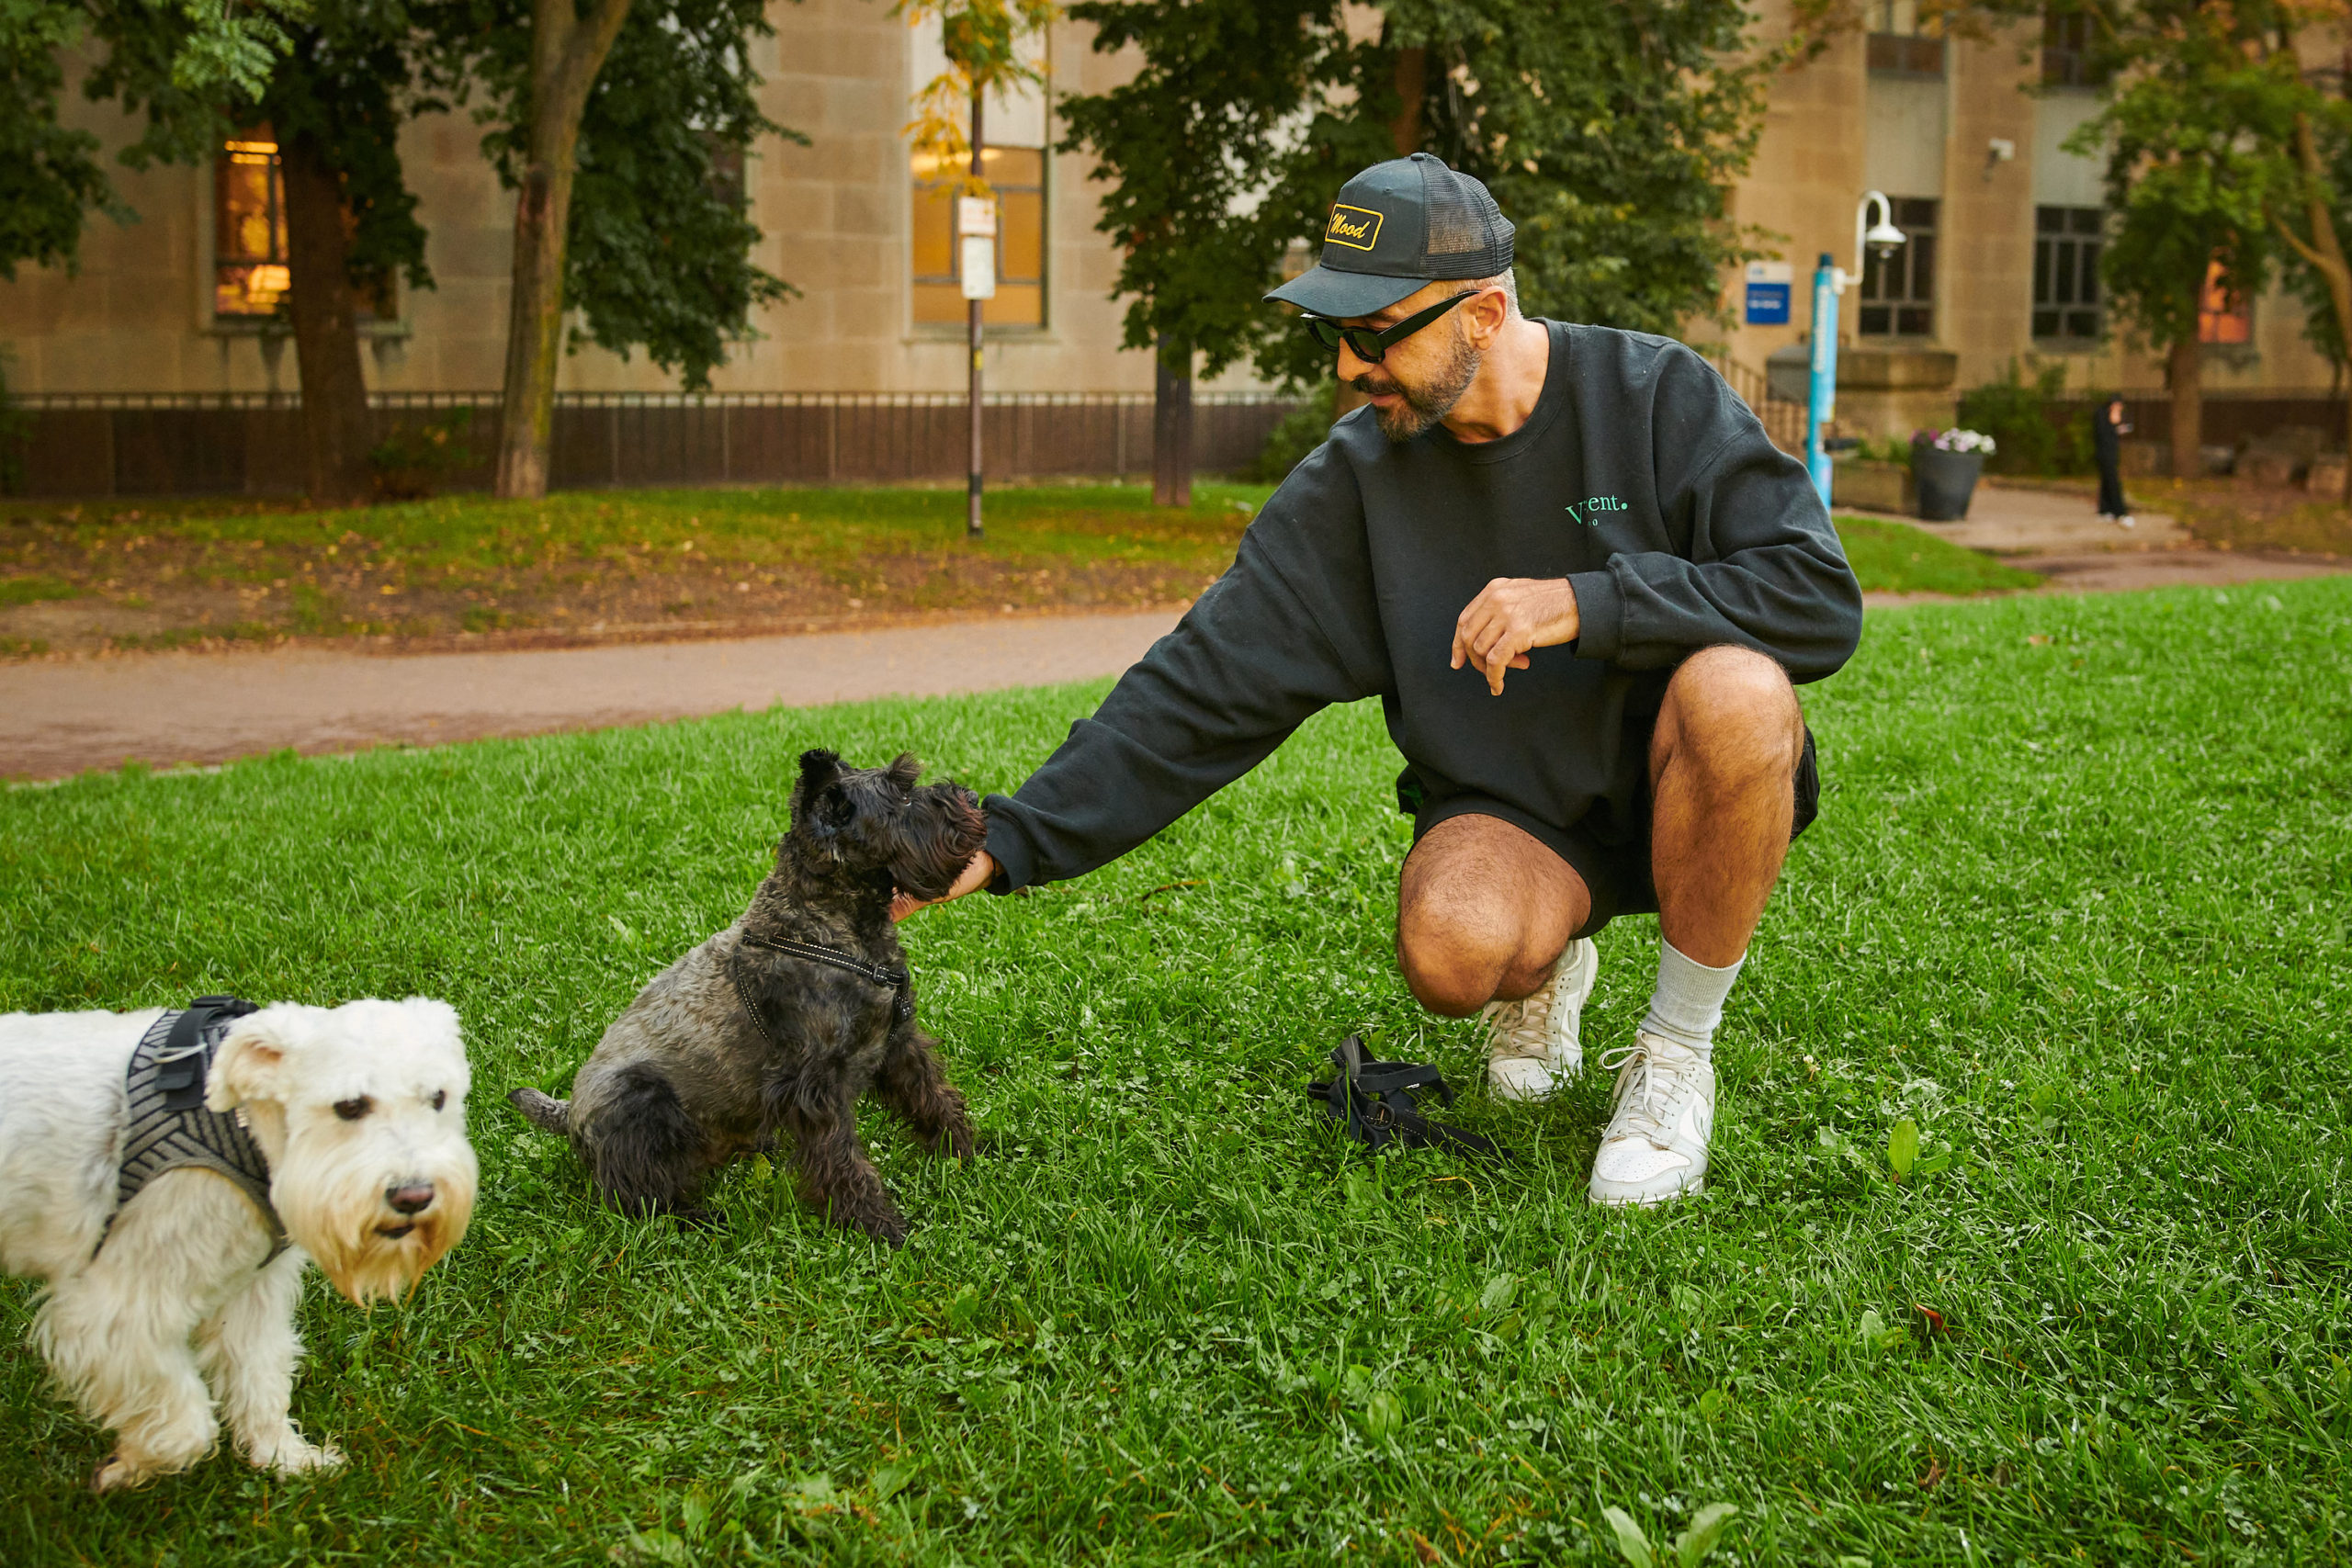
x,y
1612,856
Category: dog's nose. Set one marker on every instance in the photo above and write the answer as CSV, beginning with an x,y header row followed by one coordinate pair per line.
x,y
412,1199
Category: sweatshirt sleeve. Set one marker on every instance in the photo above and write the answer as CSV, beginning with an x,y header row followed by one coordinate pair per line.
x,y
1291,627
1753,558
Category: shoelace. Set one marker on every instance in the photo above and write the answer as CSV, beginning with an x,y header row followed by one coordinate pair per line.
x,y
1528,1036
1638,1109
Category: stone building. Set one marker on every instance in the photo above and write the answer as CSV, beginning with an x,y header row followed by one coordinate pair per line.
x,y
1965,136
1962,134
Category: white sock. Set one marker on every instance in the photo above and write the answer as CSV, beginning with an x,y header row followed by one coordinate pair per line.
x,y
1688,1005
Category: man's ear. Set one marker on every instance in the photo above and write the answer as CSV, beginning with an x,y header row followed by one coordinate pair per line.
x,y
248,1065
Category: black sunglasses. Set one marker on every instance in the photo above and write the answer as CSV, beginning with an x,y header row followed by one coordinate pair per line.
x,y
1370,343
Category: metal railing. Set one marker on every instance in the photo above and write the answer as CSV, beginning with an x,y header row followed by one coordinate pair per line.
x,y
195,442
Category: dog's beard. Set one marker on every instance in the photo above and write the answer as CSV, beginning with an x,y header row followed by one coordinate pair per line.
x,y
334,1208
1424,405
943,831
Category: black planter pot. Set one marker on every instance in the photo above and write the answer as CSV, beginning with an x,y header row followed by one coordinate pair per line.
x,y
1947,480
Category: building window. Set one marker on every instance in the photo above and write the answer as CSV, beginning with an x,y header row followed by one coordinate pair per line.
x,y
2223,316
2066,60
1899,291
252,274
2066,274
249,274
1899,45
1018,176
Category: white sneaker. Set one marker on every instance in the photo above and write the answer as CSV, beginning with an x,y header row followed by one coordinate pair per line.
x,y
2127,520
1532,1046
1655,1145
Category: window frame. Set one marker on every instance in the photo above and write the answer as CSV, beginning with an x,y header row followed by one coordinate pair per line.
x,y
1916,230
2215,306
946,187
378,312
2060,265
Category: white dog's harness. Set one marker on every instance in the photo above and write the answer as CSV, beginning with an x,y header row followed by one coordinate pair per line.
x,y
168,1127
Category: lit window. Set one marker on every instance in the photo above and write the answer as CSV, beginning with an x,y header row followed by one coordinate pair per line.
x,y
250,272
1899,291
2223,316
2066,274
1013,137
1018,175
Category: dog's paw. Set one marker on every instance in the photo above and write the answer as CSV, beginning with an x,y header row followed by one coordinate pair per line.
x,y
889,1229
291,1455
116,1473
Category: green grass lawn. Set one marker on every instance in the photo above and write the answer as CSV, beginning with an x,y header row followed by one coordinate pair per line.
x,y
2075,910
1895,558
159,573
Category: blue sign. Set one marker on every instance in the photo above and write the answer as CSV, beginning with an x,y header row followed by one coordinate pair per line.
x,y
1768,294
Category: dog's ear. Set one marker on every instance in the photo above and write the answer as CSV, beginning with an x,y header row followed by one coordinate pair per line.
x,y
904,770
820,770
249,1063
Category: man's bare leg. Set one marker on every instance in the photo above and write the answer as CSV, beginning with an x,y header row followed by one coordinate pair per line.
x,y
1483,911
1483,915
1723,766
1723,762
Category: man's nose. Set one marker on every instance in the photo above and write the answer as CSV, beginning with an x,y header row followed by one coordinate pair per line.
x,y
1349,366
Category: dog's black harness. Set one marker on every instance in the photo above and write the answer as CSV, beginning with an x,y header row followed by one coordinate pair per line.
x,y
168,1127
1372,1101
892,977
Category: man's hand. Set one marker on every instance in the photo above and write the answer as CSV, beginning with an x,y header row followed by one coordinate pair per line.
x,y
978,874
1510,615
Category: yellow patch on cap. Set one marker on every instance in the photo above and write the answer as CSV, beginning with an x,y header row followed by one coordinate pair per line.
x,y
1355,227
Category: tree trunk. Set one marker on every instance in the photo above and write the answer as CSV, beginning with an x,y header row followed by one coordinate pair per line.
x,y
2185,370
567,51
2325,251
1412,89
1172,425
335,427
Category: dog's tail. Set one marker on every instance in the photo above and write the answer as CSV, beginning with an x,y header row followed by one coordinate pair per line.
x,y
543,1112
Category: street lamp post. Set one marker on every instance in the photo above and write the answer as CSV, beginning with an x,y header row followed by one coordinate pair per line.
x,y
1829,281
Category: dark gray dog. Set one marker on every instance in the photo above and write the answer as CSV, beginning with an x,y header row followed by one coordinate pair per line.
x,y
780,1023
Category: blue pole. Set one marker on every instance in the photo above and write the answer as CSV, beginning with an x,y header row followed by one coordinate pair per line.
x,y
1822,405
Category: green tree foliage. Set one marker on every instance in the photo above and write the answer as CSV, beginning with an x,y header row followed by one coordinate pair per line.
x,y
50,175
659,248
1609,134
351,76
2187,182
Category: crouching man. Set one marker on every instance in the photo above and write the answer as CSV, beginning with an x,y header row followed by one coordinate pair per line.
x,y
1581,581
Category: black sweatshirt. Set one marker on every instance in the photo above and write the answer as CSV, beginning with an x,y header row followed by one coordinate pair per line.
x,y
1640,477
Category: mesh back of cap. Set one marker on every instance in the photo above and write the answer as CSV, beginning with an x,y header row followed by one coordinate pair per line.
x,y
1468,235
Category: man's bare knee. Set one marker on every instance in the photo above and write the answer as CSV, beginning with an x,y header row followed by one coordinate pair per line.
x,y
1452,967
1730,711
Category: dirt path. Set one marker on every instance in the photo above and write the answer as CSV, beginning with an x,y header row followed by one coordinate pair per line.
x,y
57,719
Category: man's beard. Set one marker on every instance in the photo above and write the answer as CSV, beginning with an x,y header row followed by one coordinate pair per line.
x,y
1425,405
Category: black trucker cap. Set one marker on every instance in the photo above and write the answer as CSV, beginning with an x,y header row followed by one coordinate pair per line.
x,y
1396,228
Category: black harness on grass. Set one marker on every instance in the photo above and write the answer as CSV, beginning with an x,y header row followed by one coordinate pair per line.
x,y
893,977
166,1124
1372,1101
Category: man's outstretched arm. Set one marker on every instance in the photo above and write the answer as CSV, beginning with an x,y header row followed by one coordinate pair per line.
x,y
1291,628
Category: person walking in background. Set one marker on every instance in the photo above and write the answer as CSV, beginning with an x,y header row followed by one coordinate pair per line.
x,y
2109,427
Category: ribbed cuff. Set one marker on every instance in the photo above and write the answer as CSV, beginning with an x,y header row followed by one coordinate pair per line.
x,y
1601,615
1016,866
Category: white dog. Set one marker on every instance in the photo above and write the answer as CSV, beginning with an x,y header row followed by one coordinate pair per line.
x,y
128,1180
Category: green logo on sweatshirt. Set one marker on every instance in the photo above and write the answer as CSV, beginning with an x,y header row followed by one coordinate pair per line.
x,y
1586,510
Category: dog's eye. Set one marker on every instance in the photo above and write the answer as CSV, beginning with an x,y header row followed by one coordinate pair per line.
x,y
440,1098
353,1110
